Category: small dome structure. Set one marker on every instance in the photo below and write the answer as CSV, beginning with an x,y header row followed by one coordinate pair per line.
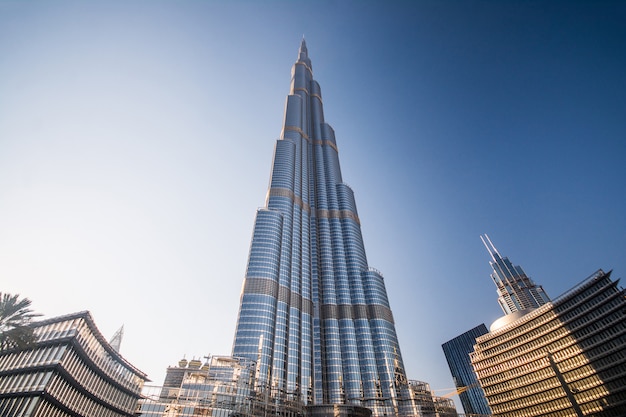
x,y
509,318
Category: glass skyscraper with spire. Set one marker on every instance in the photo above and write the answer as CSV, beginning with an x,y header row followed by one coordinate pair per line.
x,y
516,291
313,315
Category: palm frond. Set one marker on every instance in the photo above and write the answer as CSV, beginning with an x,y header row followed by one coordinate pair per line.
x,y
15,321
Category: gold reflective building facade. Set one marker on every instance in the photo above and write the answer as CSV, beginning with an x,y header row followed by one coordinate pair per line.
x,y
566,358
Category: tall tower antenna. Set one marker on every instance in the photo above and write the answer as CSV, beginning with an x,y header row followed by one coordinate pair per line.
x,y
516,291
490,247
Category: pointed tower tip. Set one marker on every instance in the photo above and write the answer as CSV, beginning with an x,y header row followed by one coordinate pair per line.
x,y
303,54
490,247
116,340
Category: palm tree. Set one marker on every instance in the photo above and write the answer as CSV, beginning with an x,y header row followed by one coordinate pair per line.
x,y
15,320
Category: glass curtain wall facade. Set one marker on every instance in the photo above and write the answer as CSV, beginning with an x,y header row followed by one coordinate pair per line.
x,y
313,314
567,358
70,371
221,387
516,291
457,352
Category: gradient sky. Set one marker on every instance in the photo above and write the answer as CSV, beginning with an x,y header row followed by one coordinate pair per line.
x,y
136,140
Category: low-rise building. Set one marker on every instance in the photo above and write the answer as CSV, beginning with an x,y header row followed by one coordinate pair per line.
x,y
69,371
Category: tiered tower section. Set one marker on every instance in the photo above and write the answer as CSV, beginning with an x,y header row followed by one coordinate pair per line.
x,y
313,314
516,291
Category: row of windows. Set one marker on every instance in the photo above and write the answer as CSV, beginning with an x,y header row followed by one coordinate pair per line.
x,y
57,330
512,388
46,409
107,363
614,406
502,382
97,386
567,358
598,332
500,369
24,382
76,401
577,326
586,293
605,314
540,404
18,406
573,312
609,367
549,325
33,357
575,368
532,351
538,318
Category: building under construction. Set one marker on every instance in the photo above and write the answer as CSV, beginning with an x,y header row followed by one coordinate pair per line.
x,y
225,386
221,386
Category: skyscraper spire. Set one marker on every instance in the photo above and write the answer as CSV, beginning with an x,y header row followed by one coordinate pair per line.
x,y
313,314
516,291
490,248
303,54
116,340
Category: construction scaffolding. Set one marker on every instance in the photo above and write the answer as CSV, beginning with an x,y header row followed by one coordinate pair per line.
x,y
228,387
221,387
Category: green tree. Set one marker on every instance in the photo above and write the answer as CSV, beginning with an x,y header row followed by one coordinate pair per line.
x,y
15,322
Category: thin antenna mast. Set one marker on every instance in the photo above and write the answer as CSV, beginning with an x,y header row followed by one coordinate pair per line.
x,y
490,247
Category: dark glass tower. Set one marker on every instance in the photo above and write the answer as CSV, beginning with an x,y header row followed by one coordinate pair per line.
x,y
457,352
313,314
516,291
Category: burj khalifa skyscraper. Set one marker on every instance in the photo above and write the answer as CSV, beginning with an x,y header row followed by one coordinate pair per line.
x,y
313,314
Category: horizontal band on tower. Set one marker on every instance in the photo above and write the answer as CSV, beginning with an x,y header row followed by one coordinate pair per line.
x,y
321,213
315,142
338,214
305,66
265,286
306,91
356,312
284,192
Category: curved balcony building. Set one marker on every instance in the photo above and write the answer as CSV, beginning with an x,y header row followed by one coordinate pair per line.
x,y
69,371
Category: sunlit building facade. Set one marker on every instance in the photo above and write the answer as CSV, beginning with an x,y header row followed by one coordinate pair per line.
x,y
69,371
516,291
222,386
429,405
313,314
457,352
567,358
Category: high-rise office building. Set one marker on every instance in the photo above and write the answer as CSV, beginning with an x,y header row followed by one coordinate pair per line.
x,y
313,314
457,352
516,291
566,358
69,371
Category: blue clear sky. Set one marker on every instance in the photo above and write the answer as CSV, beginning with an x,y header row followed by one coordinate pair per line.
x,y
136,141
